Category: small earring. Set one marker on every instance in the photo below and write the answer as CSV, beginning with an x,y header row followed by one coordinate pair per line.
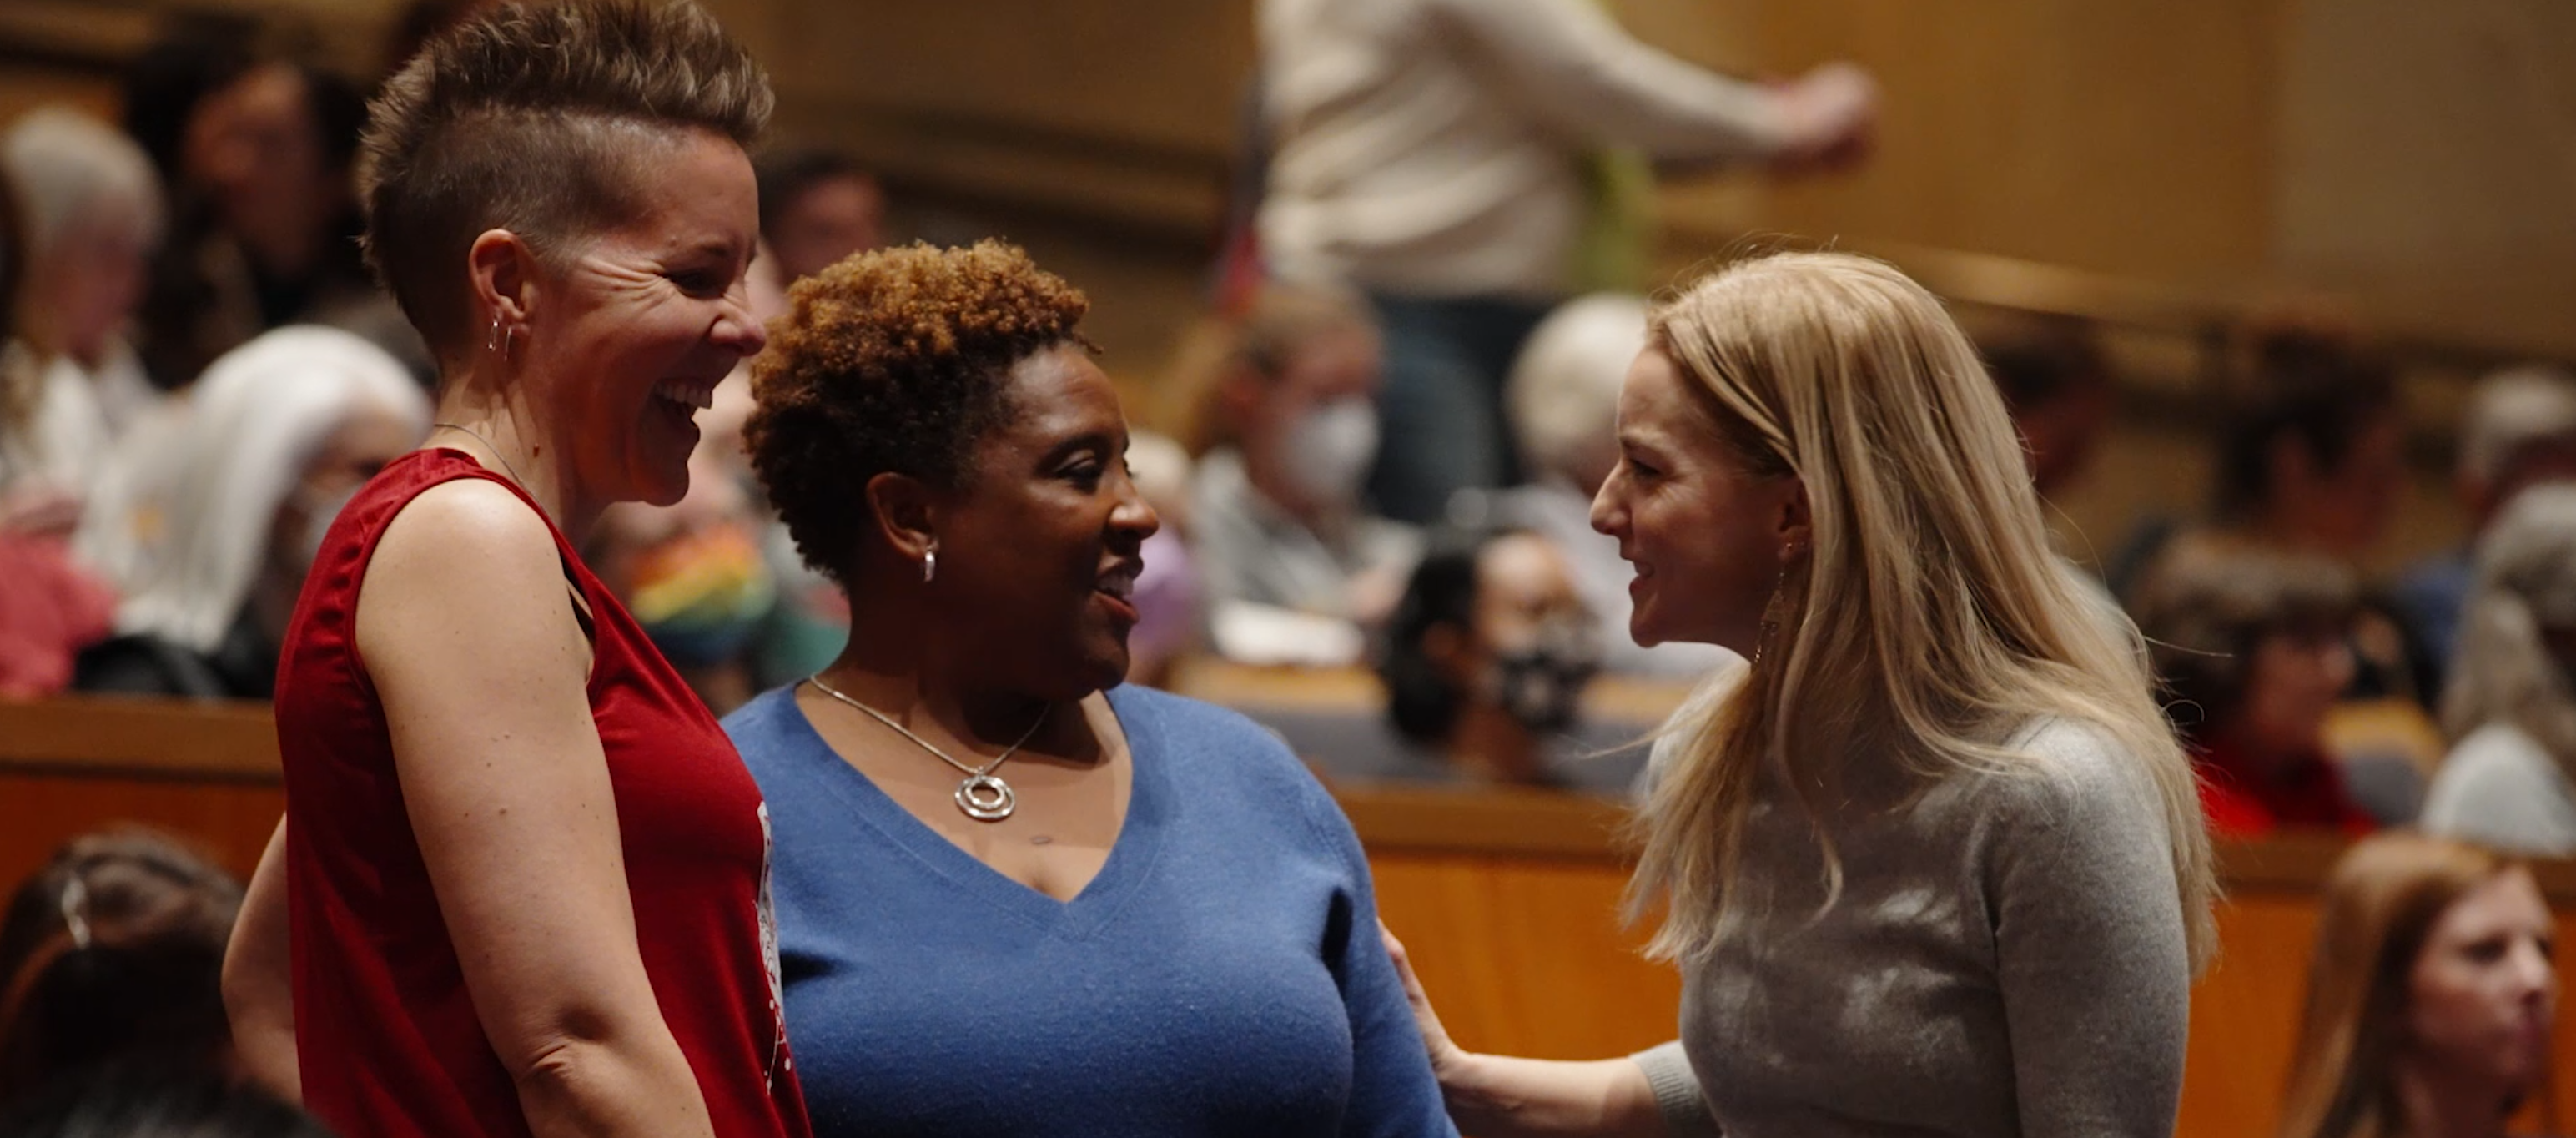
x,y
929,564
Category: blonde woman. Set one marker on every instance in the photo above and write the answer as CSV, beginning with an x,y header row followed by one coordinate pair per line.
x,y
1933,860
2510,709
2430,999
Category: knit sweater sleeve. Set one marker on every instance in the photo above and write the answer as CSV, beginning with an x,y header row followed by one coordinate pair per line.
x,y
2091,951
1677,1095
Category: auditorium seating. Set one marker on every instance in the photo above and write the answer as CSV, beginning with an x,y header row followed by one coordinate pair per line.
x,y
1508,899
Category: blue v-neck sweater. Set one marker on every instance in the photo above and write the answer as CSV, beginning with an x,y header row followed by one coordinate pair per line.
x,y
1222,976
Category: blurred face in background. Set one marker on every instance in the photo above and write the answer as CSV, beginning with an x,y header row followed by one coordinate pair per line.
x,y
830,220
1533,649
256,147
2484,992
2292,679
363,443
1310,431
2342,508
93,277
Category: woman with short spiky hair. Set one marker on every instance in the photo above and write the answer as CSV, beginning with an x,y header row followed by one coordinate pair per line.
x,y
529,872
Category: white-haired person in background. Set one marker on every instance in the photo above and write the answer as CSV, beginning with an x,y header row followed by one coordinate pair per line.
x,y
2519,432
91,211
2510,779
1563,397
212,512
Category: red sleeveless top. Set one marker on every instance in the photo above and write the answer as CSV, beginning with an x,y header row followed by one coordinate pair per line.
x,y
385,1031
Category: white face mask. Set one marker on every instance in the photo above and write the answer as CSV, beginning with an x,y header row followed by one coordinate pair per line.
x,y
1329,450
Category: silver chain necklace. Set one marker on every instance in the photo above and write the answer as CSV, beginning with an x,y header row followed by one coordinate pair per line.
x,y
982,795
487,445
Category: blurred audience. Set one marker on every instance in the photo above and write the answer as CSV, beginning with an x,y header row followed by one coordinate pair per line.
x,y
2309,461
258,153
2431,996
2511,710
110,954
90,209
1171,606
695,576
1295,562
213,513
1564,401
2250,645
1527,196
2057,384
816,207
149,1103
1485,664
2520,432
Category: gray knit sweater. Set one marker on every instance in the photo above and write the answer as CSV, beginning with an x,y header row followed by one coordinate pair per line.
x,y
2007,958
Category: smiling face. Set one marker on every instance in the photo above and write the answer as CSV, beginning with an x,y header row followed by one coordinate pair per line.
x,y
1705,535
2484,992
1039,550
633,331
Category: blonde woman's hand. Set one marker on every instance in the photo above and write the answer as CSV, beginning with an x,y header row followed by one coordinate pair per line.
x,y
1449,1062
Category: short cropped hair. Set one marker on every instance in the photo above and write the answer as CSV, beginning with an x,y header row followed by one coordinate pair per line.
x,y
523,119
71,169
893,361
1563,393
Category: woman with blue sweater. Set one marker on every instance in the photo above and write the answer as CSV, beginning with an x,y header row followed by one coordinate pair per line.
x,y
1012,901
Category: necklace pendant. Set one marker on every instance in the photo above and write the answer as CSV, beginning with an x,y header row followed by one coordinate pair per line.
x,y
985,798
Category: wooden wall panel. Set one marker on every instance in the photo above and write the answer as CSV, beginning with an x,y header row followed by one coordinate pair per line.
x,y
229,822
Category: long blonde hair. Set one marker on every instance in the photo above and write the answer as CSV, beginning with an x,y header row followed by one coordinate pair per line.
x,y
2526,582
2381,903
1954,624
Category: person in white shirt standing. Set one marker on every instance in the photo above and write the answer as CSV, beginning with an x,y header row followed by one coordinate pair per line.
x,y
1440,155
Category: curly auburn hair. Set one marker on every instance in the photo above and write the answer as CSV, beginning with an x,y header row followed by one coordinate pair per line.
x,y
894,361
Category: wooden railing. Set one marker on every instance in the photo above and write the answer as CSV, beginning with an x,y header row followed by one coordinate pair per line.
x,y
1508,899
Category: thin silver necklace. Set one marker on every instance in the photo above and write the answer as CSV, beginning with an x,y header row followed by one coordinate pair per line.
x,y
487,445
982,795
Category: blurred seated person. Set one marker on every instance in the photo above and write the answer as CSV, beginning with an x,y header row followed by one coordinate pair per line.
x,y
1294,562
111,954
1171,609
2310,461
2511,710
1485,665
264,221
2432,997
816,207
2520,431
2057,385
2250,644
216,509
1563,397
696,576
90,214
125,1102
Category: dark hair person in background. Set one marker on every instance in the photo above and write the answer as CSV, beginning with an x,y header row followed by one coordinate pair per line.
x,y
527,866
2430,997
126,1102
2057,386
1013,900
1487,657
2251,646
112,954
816,207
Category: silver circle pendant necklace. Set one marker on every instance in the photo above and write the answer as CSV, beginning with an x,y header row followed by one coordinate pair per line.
x,y
982,794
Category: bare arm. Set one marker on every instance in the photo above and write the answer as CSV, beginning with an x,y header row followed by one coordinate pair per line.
x,y
259,990
1498,1096
470,639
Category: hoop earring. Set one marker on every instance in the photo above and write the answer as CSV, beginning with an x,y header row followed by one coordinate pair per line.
x,y
501,337
492,336
929,564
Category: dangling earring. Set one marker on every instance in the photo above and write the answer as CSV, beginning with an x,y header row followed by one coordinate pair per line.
x,y
929,564
1772,616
